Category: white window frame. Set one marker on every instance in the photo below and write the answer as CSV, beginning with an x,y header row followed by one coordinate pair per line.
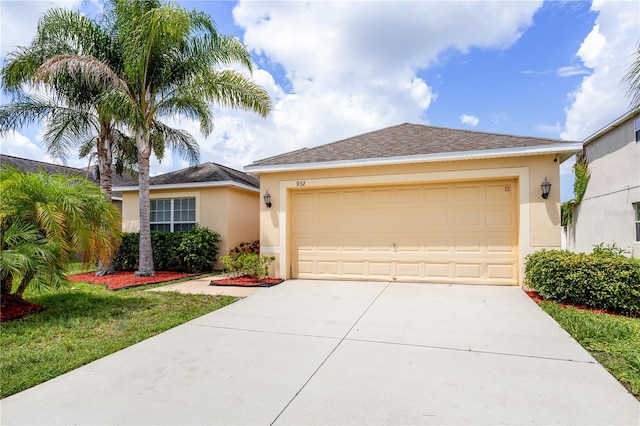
x,y
172,221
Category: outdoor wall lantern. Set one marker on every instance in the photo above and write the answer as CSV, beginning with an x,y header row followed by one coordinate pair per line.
x,y
267,199
546,187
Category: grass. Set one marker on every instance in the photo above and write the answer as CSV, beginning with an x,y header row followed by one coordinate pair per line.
x,y
612,340
85,322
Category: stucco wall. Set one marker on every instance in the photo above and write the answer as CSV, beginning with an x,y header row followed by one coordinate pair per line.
x,y
231,212
606,213
243,218
539,219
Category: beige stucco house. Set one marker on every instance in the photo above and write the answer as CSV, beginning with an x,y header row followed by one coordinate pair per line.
x,y
412,203
220,198
610,208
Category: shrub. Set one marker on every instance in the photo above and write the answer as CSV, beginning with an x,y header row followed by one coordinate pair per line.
x,y
608,250
192,251
609,282
250,264
245,247
199,249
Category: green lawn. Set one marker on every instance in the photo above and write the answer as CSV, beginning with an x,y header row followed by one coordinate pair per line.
x,y
613,340
85,322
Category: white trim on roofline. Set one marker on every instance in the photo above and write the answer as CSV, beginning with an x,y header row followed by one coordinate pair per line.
x,y
615,123
189,185
567,148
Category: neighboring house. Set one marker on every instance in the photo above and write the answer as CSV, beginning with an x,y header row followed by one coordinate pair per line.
x,y
33,166
610,208
217,197
412,203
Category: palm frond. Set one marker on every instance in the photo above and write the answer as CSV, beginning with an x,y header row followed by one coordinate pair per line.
x,y
92,72
179,141
632,80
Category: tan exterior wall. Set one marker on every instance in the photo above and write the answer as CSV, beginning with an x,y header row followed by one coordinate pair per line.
x,y
231,212
243,218
539,219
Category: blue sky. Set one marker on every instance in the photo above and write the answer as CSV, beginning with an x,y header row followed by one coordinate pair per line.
x,y
337,69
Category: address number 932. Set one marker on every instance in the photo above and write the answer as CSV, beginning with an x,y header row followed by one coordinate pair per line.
x,y
301,183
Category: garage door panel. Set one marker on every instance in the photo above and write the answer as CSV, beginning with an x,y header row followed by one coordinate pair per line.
x,y
446,232
356,269
411,196
380,269
437,271
468,270
468,244
409,271
466,194
467,219
437,194
501,271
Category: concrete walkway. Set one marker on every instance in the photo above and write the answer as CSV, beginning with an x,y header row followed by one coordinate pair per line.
x,y
321,352
202,286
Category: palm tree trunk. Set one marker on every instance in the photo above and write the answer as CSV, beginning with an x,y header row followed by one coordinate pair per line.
x,y
105,166
5,289
145,262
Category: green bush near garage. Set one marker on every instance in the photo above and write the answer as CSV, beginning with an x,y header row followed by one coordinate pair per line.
x,y
193,251
604,280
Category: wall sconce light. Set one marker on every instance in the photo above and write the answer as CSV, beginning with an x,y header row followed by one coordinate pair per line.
x,y
546,188
267,199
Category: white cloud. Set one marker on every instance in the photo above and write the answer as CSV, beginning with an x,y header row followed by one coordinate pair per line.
x,y
469,120
571,70
600,98
352,66
19,145
19,22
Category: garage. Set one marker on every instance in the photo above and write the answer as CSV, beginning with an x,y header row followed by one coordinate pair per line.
x,y
412,203
448,232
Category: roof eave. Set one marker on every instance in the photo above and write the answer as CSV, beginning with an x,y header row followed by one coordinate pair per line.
x,y
565,150
615,123
190,185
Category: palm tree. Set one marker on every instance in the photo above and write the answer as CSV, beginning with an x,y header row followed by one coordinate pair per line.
x,y
170,58
72,112
632,80
45,220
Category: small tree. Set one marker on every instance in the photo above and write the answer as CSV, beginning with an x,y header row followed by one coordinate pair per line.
x,y
45,221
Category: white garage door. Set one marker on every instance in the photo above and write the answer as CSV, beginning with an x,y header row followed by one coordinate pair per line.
x,y
460,232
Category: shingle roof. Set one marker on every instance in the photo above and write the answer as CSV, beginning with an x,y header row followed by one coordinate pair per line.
x,y
33,166
205,172
405,140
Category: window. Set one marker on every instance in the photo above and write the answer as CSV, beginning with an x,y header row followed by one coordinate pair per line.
x,y
636,206
636,126
172,215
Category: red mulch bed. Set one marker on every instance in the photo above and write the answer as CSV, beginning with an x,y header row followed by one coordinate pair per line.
x,y
537,298
126,279
14,308
246,281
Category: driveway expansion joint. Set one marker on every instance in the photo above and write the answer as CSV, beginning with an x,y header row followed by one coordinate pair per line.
x,y
251,330
446,348
329,355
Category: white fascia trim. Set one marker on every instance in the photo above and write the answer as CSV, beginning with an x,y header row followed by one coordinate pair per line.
x,y
615,123
424,158
189,185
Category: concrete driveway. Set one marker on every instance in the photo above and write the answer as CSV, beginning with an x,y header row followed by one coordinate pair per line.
x,y
322,352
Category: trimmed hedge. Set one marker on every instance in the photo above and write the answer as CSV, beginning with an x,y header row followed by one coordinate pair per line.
x,y
193,251
601,281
